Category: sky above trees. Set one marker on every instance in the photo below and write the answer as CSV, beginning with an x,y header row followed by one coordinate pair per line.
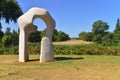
x,y
73,16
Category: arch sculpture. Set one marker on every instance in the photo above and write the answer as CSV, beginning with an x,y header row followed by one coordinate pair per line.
x,y
26,26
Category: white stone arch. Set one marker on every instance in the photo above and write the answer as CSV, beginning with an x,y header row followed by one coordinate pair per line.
x,y
26,26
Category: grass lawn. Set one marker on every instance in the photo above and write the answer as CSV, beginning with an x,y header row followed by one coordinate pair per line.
x,y
67,67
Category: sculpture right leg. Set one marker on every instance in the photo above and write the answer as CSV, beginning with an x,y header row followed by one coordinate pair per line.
x,y
23,46
46,50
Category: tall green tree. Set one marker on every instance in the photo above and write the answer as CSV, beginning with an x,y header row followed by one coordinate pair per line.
x,y
1,34
9,10
99,30
117,31
99,27
117,27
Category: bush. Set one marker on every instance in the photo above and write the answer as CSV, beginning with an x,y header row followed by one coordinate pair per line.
x,y
91,49
9,50
7,40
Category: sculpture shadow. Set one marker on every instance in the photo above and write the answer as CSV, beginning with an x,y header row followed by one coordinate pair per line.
x,y
67,58
59,59
31,60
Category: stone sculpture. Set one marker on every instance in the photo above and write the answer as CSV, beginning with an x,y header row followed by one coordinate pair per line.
x,y
26,26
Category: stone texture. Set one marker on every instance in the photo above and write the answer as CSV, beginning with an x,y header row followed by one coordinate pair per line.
x,y
26,26
46,50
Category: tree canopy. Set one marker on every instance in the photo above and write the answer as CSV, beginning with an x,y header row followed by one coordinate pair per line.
x,y
99,27
9,10
100,34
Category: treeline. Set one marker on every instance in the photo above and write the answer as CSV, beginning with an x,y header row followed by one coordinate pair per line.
x,y
11,38
101,35
36,37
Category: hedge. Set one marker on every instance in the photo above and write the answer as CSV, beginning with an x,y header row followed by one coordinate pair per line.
x,y
87,49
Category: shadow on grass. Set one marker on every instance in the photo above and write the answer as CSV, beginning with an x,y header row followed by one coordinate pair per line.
x,y
67,58
59,59
33,60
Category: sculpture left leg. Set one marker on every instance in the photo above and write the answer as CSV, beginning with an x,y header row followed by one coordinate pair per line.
x,y
23,46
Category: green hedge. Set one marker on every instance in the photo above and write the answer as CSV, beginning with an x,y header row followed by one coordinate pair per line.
x,y
91,49
9,50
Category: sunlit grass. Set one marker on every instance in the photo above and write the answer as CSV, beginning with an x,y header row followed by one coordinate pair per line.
x,y
66,67
71,42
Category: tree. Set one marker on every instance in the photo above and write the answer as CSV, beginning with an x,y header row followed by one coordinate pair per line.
x,y
7,32
15,37
108,39
7,41
82,36
62,36
97,38
99,27
9,10
43,33
1,34
117,29
86,36
99,30
35,37
7,38
55,34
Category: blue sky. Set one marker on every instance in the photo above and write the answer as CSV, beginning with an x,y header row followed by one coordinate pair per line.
x,y
73,16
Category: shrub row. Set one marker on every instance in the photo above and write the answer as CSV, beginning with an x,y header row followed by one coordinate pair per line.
x,y
91,49
9,50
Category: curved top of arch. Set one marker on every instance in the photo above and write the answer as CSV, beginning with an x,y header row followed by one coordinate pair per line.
x,y
27,18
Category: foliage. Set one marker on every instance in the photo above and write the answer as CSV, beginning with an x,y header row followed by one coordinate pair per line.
x,y
15,37
86,36
117,28
57,35
10,38
1,34
100,35
99,30
62,36
43,33
83,49
34,48
9,10
35,37
108,39
7,41
7,32
9,50
99,27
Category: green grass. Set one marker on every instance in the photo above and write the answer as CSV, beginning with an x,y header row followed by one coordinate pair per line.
x,y
66,67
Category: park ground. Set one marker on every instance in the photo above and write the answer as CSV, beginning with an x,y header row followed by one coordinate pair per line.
x,y
72,42
66,67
